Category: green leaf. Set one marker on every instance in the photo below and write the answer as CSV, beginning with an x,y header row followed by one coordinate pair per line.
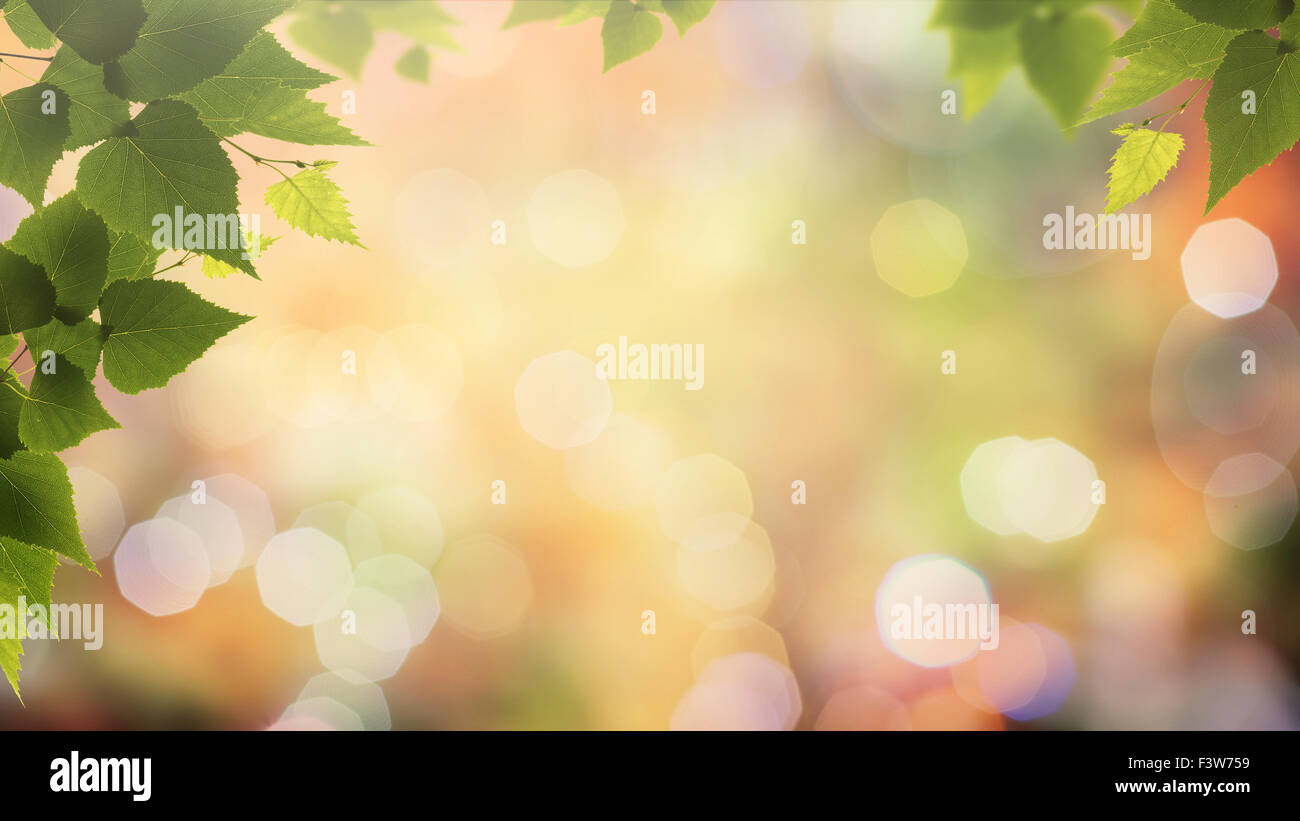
x,y
341,37
266,59
93,113
80,343
183,43
1242,142
1142,160
311,202
424,23
154,329
169,160
12,397
1153,71
627,32
981,59
36,505
1162,24
413,64
99,31
26,572
61,407
130,257
230,106
71,244
979,14
1065,59
26,295
1238,14
216,269
531,11
31,141
686,13
584,10
29,29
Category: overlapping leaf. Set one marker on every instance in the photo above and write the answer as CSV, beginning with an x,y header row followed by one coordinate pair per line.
x,y
71,244
154,329
168,161
61,408
182,43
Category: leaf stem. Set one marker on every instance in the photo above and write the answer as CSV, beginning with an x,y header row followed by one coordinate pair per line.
x,y
268,162
15,360
189,255
26,56
1176,110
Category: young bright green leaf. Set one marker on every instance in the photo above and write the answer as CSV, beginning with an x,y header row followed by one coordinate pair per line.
x,y
413,64
167,160
1243,139
99,31
26,295
1161,23
31,140
1155,70
36,505
216,269
266,59
531,11
1238,14
1064,60
93,113
979,14
230,106
183,43
627,32
311,202
130,257
8,344
61,407
341,37
981,59
686,13
154,329
28,28
1142,160
80,343
71,244
26,573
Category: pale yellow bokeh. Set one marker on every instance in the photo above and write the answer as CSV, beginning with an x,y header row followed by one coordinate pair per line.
x,y
919,247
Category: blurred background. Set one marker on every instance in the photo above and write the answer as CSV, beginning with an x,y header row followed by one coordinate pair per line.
x,y
757,518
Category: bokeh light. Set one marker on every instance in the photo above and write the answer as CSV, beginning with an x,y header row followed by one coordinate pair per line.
x,y
561,401
919,247
485,587
1229,267
161,567
906,600
303,576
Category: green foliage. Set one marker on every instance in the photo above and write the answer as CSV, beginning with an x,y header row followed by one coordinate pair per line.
x,y
153,330
630,28
1060,44
1252,112
343,34
1143,159
79,278
99,31
311,202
